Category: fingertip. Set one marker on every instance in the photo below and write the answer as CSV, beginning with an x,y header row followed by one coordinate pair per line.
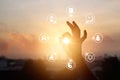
x,y
75,24
67,22
85,31
73,21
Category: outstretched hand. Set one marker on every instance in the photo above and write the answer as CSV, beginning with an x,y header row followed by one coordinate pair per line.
x,y
76,32
74,49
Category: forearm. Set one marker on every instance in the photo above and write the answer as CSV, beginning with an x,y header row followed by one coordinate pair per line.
x,y
84,71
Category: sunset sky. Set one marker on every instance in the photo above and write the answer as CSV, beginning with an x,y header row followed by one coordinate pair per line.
x,y
29,18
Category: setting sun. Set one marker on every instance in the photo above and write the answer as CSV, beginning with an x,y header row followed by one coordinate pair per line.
x,y
66,40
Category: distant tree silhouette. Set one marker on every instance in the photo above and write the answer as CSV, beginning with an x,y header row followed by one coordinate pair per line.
x,y
35,70
110,69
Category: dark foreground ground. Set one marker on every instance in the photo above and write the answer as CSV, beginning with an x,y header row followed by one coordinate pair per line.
x,y
107,68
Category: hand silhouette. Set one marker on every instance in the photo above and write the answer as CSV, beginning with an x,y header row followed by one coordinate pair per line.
x,y
74,51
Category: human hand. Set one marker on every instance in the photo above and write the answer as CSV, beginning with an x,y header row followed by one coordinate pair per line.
x,y
74,49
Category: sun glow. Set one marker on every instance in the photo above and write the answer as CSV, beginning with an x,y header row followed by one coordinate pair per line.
x,y
66,40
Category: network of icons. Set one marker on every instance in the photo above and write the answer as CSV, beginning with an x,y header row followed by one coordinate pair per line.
x,y
60,40
89,19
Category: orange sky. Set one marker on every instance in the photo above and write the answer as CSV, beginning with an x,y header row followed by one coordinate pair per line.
x,y
29,17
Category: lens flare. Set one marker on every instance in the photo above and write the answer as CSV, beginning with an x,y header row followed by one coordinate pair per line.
x,y
66,40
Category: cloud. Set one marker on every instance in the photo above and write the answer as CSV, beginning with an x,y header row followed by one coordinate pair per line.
x,y
20,45
107,46
4,46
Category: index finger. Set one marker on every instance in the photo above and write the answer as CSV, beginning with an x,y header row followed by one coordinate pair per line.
x,y
70,25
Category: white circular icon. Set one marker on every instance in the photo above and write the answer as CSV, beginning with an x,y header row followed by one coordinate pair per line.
x,y
52,19
44,37
71,11
90,19
51,57
89,57
71,65
98,37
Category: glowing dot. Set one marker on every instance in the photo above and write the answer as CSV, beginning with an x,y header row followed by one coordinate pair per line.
x,y
66,40
89,57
